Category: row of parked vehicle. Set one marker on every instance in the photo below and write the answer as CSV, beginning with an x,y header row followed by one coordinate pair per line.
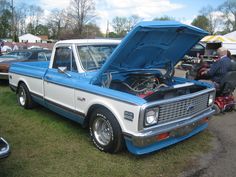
x,y
6,60
22,56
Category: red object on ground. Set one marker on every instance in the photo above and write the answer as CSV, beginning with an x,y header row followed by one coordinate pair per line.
x,y
224,102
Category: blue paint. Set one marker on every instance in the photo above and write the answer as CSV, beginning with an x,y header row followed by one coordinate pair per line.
x,y
38,100
204,84
31,69
161,144
65,113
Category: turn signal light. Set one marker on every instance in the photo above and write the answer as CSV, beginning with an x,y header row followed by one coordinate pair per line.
x,y
205,120
163,136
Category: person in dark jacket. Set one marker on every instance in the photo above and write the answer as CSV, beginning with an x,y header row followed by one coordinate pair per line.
x,y
219,68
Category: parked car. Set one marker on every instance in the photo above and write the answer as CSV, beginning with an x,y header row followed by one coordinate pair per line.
x,y
22,56
196,50
4,148
132,98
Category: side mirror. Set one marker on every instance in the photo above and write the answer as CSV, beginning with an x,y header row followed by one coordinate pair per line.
x,y
4,148
63,69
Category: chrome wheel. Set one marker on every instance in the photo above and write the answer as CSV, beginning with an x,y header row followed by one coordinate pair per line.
x,y
102,131
22,96
105,131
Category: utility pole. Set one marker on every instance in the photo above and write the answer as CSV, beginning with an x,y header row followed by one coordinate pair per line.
x,y
107,31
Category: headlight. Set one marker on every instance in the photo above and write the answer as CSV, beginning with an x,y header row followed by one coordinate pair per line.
x,y
211,99
151,116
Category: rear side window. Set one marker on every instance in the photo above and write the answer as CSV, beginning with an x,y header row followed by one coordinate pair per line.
x,y
64,58
25,55
42,56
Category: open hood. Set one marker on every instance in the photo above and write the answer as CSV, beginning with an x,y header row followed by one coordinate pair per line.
x,y
152,45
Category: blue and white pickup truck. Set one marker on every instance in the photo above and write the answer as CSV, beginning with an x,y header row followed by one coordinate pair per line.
x,y
124,91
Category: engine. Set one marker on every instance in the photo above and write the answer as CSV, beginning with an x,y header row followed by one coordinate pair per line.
x,y
140,84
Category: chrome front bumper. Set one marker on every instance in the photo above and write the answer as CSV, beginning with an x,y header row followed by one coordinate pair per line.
x,y
4,148
148,137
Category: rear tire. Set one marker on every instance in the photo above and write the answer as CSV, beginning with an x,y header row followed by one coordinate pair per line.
x,y
23,97
105,131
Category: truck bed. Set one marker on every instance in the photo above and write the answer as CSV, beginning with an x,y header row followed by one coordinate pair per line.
x,y
33,69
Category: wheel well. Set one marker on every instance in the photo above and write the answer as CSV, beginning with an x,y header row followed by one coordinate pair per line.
x,y
19,83
90,111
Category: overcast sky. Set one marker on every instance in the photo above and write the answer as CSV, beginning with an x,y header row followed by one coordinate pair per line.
x,y
182,10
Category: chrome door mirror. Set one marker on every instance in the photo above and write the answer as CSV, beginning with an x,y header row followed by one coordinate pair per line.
x,y
63,69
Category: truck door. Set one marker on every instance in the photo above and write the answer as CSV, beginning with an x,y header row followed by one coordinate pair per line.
x,y
59,92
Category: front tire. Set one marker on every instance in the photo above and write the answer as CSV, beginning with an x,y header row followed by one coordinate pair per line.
x,y
105,131
23,97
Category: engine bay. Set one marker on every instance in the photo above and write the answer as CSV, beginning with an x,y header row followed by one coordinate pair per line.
x,y
140,84
149,86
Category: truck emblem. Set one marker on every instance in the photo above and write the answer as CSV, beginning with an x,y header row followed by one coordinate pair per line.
x,y
190,107
80,99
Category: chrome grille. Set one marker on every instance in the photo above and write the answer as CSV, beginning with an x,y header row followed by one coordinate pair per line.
x,y
181,109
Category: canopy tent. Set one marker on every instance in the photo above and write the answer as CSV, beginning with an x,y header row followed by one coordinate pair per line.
x,y
217,38
231,35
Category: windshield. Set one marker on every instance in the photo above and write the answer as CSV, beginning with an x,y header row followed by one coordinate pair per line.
x,y
93,56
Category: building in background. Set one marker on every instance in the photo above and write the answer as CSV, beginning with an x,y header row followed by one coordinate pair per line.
x,y
30,38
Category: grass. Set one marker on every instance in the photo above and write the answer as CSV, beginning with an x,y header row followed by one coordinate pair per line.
x,y
45,144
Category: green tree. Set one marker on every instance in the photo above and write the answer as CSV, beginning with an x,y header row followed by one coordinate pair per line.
x,y
132,21
5,19
41,30
228,8
5,24
30,28
80,13
91,31
120,26
55,23
201,21
213,19
113,35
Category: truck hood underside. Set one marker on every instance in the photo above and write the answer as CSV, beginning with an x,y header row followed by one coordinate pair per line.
x,y
152,45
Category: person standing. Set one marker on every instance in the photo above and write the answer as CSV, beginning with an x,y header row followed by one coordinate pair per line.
x,y
15,47
1,47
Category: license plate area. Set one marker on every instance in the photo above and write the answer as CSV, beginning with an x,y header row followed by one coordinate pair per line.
x,y
184,130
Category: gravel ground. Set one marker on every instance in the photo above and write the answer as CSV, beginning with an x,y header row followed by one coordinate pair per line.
x,y
221,160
